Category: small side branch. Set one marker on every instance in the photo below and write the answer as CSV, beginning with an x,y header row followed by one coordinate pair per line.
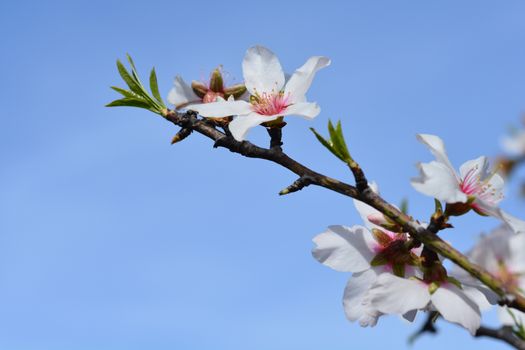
x,y
181,135
276,136
411,226
504,333
297,185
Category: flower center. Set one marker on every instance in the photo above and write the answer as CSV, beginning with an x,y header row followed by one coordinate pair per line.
x,y
392,252
211,96
473,185
269,103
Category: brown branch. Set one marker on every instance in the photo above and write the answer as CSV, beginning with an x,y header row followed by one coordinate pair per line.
x,y
189,119
504,333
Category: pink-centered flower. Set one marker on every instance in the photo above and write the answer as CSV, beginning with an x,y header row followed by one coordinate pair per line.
x,y
502,253
476,185
456,303
182,94
270,96
367,252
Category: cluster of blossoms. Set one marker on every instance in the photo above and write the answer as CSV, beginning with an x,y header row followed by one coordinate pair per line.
x,y
392,273
502,253
392,276
269,95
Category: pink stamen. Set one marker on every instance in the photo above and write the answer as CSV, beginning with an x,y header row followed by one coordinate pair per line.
x,y
270,103
472,185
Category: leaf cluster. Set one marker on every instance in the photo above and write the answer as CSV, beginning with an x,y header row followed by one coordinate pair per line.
x,y
137,95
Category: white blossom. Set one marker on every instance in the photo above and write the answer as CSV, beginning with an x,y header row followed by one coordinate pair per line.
x,y
271,97
475,185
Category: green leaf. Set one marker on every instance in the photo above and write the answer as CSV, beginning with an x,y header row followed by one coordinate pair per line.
x,y
133,84
126,93
133,69
404,206
327,144
399,270
132,102
337,138
155,87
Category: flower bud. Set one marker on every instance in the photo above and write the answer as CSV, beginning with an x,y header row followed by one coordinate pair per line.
x,y
235,90
457,209
199,88
385,222
216,81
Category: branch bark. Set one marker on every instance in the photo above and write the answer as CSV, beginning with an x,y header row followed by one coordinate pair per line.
x,y
510,297
504,333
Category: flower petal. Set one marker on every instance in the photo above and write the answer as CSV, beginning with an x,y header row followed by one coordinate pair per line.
x,y
307,110
437,147
513,223
454,305
241,125
181,93
516,260
438,181
221,108
302,78
410,316
346,249
506,319
356,288
516,225
262,71
394,295
515,144
475,168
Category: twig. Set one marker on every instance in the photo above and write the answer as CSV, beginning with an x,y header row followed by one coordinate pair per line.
x,y
427,327
504,333
367,196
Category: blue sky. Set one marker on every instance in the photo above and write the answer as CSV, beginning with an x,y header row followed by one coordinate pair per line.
x,y
110,238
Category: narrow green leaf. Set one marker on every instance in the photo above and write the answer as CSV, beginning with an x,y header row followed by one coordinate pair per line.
x,y
132,83
155,87
339,130
404,206
126,93
131,102
327,144
134,71
336,136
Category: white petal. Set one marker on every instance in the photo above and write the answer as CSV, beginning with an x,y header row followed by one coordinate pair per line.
x,y
262,71
482,296
452,303
476,168
516,225
516,261
515,144
410,316
506,318
438,181
394,295
302,78
181,93
437,148
241,125
344,249
221,109
355,309
307,110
